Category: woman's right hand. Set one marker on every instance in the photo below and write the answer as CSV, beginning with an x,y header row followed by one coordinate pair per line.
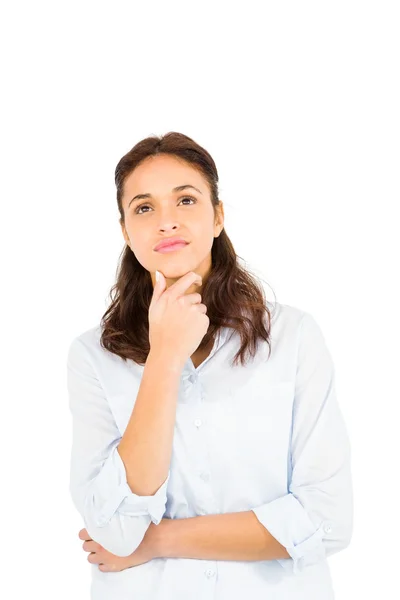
x,y
177,322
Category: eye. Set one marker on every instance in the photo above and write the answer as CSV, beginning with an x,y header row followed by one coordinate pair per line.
x,y
147,205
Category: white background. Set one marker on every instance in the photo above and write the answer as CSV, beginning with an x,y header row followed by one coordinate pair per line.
x,y
298,103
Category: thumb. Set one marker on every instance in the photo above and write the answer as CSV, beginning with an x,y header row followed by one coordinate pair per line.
x,y
159,285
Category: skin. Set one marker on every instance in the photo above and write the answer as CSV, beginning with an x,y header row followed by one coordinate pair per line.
x,y
164,215
149,548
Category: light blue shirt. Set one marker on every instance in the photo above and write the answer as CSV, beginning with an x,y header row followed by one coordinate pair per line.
x,y
268,437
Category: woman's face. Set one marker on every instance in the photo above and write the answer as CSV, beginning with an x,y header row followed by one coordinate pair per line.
x,y
187,213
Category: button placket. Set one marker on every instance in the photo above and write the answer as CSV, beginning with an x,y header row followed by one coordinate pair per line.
x,y
205,498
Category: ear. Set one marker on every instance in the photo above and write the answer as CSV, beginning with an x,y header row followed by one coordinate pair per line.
x,y
219,220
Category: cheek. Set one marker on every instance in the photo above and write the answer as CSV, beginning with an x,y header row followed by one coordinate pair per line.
x,y
200,247
201,234
142,247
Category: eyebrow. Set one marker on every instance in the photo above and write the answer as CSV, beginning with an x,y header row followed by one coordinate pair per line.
x,y
178,188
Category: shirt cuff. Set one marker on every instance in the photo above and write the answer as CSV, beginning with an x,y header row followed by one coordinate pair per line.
x,y
113,477
288,522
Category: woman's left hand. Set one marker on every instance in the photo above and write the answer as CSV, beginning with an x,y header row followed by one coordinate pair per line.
x,y
147,550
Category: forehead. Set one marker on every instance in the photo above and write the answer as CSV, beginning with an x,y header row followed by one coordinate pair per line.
x,y
158,175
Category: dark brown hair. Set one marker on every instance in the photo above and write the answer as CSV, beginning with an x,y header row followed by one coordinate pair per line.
x,y
232,295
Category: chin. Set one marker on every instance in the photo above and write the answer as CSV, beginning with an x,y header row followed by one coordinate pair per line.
x,y
175,271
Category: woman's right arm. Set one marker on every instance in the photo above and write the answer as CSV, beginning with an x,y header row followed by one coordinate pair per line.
x,y
146,446
118,485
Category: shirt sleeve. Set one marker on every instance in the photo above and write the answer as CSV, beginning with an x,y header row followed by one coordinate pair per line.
x,y
315,518
114,516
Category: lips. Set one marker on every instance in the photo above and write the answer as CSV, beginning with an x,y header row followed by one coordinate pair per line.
x,y
170,242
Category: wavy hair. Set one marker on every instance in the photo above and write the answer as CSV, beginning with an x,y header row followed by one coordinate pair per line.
x,y
233,296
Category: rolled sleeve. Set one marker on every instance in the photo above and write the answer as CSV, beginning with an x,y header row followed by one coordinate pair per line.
x,y
315,518
288,522
114,516
113,477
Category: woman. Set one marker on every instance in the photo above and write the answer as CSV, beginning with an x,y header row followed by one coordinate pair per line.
x,y
210,458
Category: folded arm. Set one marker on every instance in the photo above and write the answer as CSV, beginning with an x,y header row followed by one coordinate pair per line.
x,y
229,536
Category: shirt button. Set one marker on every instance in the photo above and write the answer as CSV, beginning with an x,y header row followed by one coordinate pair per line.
x,y
101,521
193,378
198,422
327,528
205,476
209,573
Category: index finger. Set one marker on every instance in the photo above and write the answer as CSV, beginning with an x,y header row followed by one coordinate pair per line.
x,y
179,287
